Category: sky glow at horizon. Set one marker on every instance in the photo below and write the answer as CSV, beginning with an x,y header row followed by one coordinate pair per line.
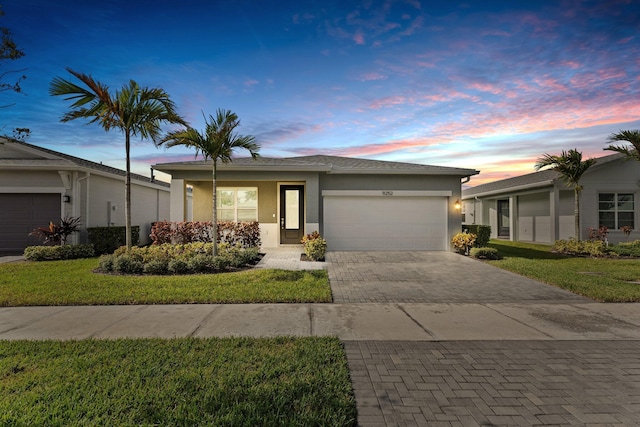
x,y
487,85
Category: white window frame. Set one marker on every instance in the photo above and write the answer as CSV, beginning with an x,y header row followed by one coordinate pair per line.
x,y
235,201
615,210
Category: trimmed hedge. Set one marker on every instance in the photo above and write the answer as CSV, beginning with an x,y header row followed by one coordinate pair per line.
x,y
482,232
246,234
168,258
53,253
106,240
485,253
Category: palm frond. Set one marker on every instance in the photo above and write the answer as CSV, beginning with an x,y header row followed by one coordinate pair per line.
x,y
632,137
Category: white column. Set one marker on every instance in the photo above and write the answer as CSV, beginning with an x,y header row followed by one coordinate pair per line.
x,y
177,200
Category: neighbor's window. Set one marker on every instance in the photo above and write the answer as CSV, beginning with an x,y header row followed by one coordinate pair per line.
x,y
237,204
616,210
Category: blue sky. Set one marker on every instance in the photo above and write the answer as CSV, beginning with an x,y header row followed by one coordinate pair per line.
x,y
489,85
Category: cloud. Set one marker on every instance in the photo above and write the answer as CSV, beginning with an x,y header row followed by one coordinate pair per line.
x,y
270,133
371,76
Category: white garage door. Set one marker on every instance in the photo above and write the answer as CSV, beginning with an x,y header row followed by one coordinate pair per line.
x,y
385,223
20,214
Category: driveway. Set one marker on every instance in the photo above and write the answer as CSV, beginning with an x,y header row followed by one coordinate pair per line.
x,y
431,277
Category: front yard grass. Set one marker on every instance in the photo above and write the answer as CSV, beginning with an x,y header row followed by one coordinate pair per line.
x,y
72,282
601,279
184,381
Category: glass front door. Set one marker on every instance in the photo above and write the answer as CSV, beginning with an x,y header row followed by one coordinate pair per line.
x,y
291,214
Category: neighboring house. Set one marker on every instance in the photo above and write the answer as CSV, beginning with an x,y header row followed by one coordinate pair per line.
x,y
355,204
539,207
38,185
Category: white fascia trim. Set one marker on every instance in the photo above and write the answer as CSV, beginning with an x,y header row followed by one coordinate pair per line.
x,y
455,172
59,190
509,190
386,193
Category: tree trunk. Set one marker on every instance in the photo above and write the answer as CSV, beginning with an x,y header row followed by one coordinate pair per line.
x,y
127,198
215,210
576,212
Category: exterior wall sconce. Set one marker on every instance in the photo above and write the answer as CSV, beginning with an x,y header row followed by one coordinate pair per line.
x,y
66,199
457,206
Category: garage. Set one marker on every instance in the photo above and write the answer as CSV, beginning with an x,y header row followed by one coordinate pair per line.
x,y
20,214
384,220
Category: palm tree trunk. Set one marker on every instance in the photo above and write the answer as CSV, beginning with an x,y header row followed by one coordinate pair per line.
x,y
127,199
215,210
576,212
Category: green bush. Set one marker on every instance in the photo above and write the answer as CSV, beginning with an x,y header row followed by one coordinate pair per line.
x,y
52,253
485,253
315,249
594,248
128,264
178,259
106,240
630,249
156,267
178,266
482,232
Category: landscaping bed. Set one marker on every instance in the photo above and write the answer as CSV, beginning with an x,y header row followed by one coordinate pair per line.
x,y
73,282
186,381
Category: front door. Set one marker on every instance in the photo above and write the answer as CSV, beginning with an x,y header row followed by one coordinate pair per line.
x,y
291,214
503,219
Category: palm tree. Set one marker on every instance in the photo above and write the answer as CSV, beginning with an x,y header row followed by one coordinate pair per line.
x,y
134,110
631,136
571,167
217,142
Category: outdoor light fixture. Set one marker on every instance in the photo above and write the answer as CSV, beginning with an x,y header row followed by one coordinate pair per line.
x,y
66,199
457,205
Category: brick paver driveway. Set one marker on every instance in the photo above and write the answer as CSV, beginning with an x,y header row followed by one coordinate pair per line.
x,y
478,383
362,277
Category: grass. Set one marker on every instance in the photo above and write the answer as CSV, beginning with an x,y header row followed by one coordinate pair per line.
x,y
72,282
186,381
601,279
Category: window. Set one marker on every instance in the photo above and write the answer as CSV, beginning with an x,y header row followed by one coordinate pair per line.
x,y
237,204
616,210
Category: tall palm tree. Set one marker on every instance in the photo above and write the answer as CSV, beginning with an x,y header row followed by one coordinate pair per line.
x,y
571,167
217,142
134,110
631,136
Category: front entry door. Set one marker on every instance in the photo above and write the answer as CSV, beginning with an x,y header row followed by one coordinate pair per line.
x,y
291,214
503,219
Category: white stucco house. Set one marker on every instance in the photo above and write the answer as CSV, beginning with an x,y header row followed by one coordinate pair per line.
x,y
539,207
38,185
356,204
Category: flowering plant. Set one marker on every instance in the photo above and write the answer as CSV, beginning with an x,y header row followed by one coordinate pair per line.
x,y
462,242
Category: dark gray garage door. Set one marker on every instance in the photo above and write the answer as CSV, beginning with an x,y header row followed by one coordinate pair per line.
x,y
20,214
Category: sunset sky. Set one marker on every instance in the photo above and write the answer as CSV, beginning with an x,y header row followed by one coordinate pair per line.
x,y
489,85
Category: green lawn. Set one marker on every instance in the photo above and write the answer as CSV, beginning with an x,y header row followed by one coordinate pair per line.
x,y
601,279
73,282
186,381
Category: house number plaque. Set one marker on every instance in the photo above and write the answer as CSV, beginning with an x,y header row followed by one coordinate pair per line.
x,y
387,193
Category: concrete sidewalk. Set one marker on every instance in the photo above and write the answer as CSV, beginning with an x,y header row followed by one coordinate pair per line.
x,y
354,322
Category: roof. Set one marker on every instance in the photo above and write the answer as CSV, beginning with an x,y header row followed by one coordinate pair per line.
x,y
539,179
55,157
319,163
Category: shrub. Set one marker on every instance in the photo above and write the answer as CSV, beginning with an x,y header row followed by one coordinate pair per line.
x,y
178,266
593,248
106,240
630,249
315,249
599,233
247,234
485,253
156,267
462,242
128,264
51,253
58,233
482,232
200,263
106,262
